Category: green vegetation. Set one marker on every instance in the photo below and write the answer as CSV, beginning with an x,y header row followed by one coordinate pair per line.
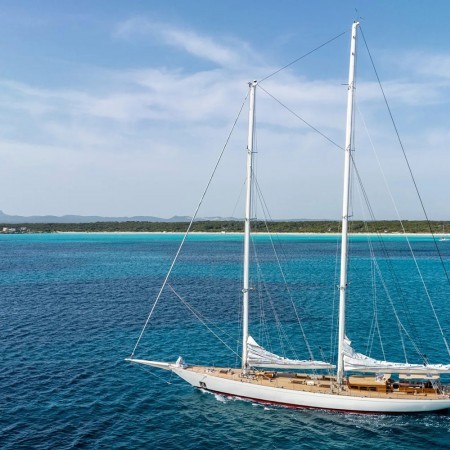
x,y
314,226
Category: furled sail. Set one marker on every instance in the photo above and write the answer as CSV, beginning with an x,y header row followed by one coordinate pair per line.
x,y
359,362
260,357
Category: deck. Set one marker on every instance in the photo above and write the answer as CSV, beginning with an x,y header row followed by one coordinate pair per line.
x,y
323,384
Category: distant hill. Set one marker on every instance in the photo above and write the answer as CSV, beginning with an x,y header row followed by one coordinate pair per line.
x,y
17,220
6,218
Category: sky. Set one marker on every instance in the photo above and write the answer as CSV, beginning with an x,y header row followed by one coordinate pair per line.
x,y
118,108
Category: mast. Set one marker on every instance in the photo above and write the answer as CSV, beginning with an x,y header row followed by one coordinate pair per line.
x,y
248,199
345,203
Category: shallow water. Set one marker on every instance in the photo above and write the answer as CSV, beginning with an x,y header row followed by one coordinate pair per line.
x,y
72,307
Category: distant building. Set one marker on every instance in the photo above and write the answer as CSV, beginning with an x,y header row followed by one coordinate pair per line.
x,y
7,230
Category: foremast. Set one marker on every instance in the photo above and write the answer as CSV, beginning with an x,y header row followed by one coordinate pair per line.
x,y
248,200
345,206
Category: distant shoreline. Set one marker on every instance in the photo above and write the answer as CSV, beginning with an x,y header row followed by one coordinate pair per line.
x,y
319,227
236,233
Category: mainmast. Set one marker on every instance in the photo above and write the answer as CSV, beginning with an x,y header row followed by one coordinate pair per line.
x,y
345,202
248,199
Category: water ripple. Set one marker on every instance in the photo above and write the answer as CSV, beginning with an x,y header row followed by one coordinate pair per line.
x,y
72,307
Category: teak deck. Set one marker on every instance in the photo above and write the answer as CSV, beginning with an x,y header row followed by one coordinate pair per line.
x,y
366,386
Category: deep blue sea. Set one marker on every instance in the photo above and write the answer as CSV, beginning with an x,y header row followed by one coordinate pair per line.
x,y
72,307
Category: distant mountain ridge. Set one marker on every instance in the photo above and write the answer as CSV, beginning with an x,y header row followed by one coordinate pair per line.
x,y
8,219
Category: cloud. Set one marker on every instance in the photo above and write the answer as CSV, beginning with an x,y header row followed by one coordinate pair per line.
x,y
432,66
129,133
203,47
416,78
170,95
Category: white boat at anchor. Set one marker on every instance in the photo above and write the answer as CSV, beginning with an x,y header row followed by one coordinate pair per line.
x,y
357,383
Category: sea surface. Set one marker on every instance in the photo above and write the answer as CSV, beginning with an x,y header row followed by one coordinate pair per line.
x,y
73,305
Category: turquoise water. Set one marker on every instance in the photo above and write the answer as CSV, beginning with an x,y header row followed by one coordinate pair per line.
x,y
73,305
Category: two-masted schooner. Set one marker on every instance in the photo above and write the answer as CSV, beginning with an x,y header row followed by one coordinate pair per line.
x,y
359,383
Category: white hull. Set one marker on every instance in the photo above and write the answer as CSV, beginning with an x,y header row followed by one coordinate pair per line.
x,y
301,399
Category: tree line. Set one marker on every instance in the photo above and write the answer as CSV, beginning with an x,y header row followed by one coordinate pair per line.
x,y
236,226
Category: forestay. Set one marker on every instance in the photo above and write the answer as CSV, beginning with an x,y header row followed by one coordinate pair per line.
x,y
260,357
358,362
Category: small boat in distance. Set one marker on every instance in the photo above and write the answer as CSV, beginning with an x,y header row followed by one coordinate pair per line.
x,y
356,382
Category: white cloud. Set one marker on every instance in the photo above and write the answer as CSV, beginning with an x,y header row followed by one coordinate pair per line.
x,y
417,78
146,135
191,42
429,65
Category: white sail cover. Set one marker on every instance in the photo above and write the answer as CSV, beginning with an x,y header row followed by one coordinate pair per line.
x,y
257,356
358,362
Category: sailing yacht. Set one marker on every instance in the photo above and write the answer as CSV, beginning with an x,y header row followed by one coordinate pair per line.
x,y
357,383
443,237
